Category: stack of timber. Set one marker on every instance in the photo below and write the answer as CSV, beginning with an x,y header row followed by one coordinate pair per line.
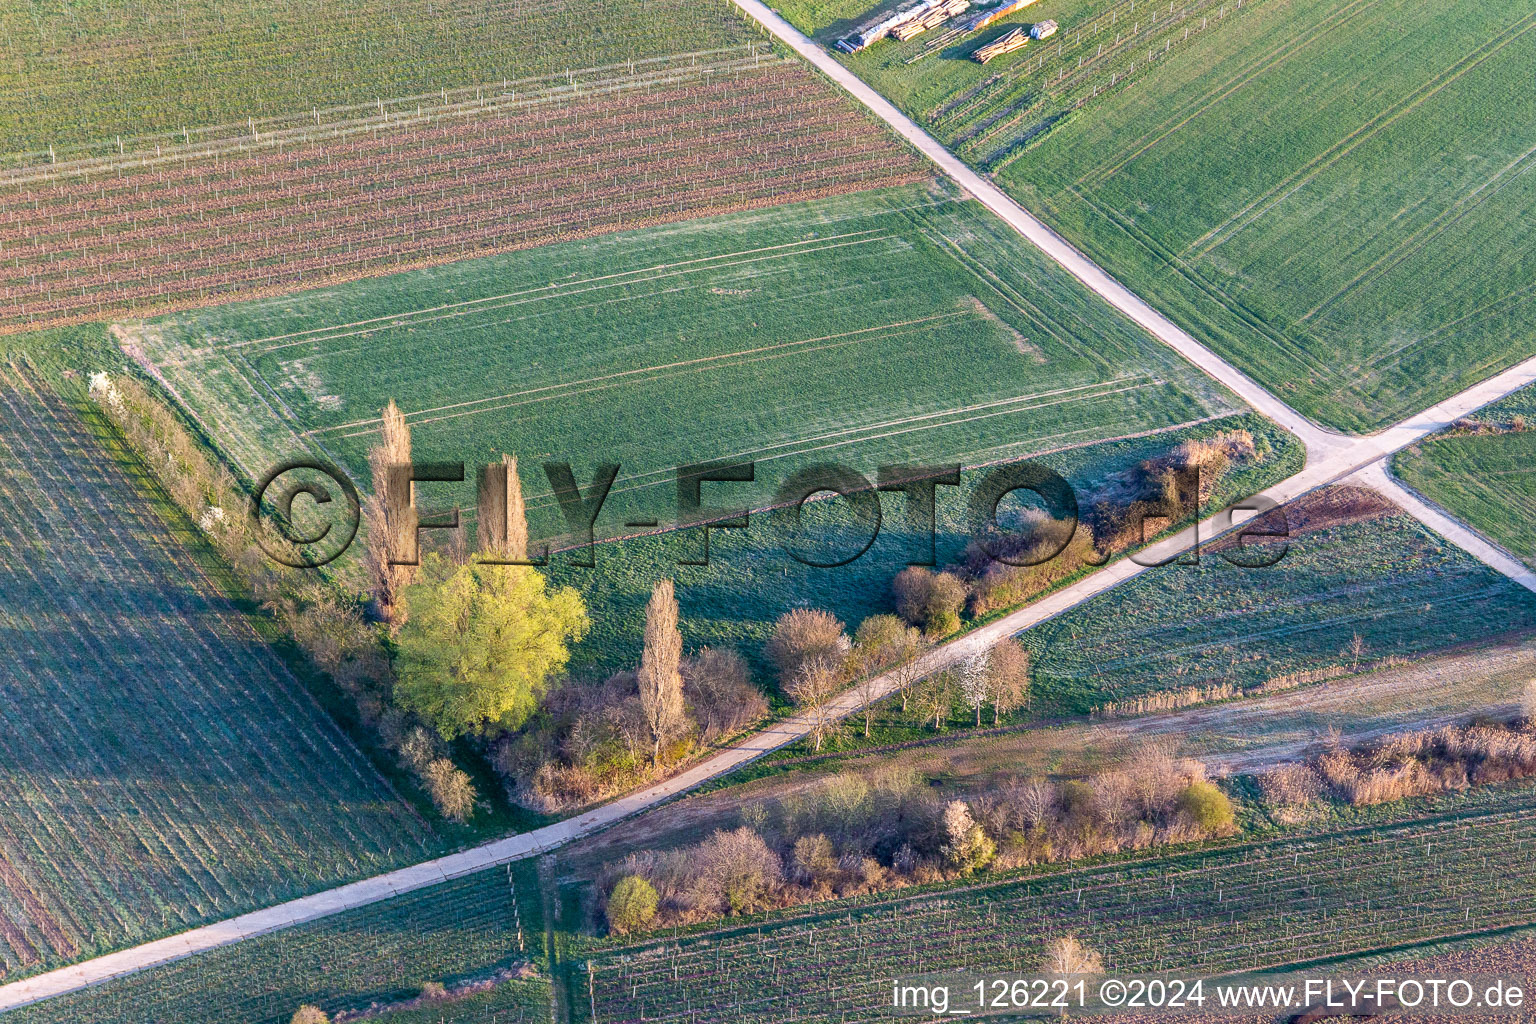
x,y
927,12
981,19
1001,45
933,19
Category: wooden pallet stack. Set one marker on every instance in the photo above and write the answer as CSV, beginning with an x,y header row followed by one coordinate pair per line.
x,y
1002,44
929,19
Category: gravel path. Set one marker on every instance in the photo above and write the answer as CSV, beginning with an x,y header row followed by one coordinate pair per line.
x,y
1331,458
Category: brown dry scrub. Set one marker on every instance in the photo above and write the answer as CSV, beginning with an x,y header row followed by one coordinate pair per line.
x,y
848,835
1419,763
1325,509
1129,509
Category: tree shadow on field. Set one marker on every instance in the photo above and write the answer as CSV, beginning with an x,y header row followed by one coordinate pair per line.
x,y
840,28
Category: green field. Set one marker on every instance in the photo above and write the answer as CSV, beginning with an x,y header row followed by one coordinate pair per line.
x,y
1487,480
162,767
1331,193
87,73
1402,589
884,327
1248,906
383,953
900,326
752,579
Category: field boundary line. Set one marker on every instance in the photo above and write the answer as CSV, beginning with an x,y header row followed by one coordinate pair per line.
x,y
1318,440
394,318
466,102
1379,477
1319,473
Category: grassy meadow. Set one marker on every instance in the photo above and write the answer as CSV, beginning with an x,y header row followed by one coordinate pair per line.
x,y
1354,567
89,73
894,326
900,326
383,954
161,766
1331,193
1487,480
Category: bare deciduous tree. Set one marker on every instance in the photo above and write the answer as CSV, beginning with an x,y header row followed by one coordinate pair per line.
x,y
1009,678
390,520
879,640
718,685
1034,801
907,671
502,523
812,689
804,635
976,682
1067,955
933,697
661,682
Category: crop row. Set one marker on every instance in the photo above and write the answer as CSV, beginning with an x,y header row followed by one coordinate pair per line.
x,y
112,245
83,77
380,954
1244,908
991,122
160,766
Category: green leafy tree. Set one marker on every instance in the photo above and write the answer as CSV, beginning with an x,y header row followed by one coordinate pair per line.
x,y
1208,807
480,643
631,905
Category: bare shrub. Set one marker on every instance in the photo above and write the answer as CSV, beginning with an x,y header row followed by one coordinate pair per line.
x,y
1423,762
930,600
1068,955
1290,785
450,789
814,858
718,684
996,584
967,847
803,635
737,871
